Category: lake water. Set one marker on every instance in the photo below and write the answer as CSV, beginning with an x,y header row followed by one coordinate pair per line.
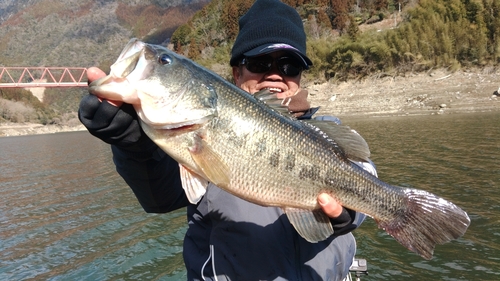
x,y
66,215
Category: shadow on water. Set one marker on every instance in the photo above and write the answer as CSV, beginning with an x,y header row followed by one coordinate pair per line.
x,y
66,215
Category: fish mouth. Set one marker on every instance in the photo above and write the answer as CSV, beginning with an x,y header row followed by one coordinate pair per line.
x,y
125,64
129,81
131,66
133,46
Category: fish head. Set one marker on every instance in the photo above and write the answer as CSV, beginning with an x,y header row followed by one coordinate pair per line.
x,y
163,86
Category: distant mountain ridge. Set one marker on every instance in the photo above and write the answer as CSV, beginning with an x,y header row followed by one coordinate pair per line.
x,y
84,32
75,33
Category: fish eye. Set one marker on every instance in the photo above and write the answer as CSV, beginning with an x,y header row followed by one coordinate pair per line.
x,y
164,59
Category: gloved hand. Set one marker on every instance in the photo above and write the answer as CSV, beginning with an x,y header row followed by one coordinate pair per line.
x,y
112,124
298,103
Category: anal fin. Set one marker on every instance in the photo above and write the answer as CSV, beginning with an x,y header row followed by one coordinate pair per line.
x,y
314,226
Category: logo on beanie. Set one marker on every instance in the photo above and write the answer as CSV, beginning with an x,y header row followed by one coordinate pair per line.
x,y
280,46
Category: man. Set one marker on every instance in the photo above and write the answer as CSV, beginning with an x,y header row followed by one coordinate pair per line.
x,y
229,238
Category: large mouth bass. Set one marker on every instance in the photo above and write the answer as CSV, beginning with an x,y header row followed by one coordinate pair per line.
x,y
248,146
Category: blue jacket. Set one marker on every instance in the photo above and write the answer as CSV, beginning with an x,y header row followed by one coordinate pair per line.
x,y
229,238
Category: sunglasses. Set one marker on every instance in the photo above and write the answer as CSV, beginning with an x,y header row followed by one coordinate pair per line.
x,y
288,66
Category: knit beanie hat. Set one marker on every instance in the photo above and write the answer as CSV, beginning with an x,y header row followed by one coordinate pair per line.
x,y
269,26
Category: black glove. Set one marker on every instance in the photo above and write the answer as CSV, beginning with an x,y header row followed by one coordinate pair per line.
x,y
114,125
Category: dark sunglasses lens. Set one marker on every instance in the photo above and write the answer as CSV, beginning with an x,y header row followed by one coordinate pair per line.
x,y
289,66
259,65
286,65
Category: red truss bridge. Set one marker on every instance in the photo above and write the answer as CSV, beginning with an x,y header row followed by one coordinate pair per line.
x,y
28,77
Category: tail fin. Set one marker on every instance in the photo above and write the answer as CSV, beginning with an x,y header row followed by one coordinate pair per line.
x,y
426,221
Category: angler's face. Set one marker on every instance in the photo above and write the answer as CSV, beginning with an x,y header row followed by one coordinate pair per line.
x,y
273,79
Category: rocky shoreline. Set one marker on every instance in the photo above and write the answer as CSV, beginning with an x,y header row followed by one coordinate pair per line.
x,y
22,129
433,92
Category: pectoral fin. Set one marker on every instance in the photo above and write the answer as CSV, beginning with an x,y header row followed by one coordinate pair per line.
x,y
194,185
210,163
314,226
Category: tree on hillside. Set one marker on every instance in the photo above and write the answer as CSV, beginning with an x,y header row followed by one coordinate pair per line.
x,y
492,23
19,105
380,5
339,15
231,13
180,36
229,19
432,33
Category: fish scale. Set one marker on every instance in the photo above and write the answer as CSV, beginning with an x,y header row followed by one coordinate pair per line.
x,y
251,147
273,161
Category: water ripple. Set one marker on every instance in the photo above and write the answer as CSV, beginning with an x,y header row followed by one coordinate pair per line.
x,y
456,157
66,215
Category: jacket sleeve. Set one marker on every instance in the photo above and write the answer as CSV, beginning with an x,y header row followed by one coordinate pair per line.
x,y
152,175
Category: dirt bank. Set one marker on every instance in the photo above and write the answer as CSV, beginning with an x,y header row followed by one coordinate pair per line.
x,y
434,92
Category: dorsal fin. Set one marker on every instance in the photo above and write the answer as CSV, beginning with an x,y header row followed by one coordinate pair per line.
x,y
349,141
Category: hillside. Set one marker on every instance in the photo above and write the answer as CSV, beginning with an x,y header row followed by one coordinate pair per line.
x,y
360,43
84,32
347,40
77,33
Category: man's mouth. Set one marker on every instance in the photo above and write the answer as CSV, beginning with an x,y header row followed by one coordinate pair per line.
x,y
274,90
